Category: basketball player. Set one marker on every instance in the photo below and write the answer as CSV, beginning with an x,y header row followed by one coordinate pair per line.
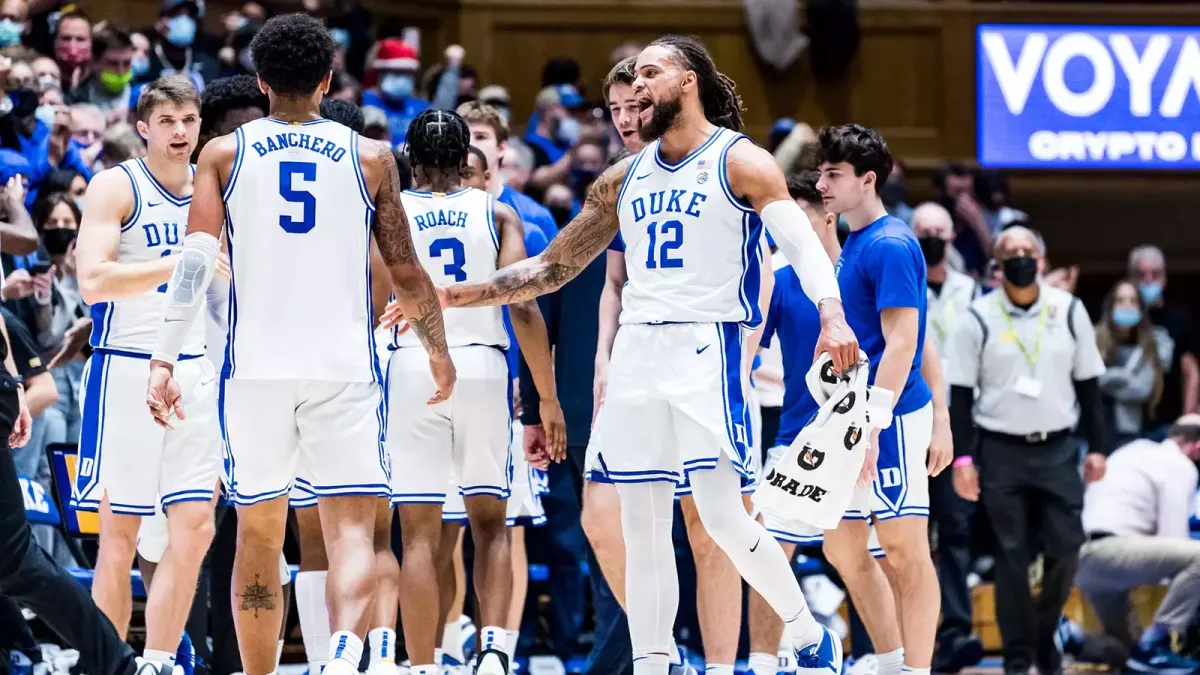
x,y
689,208
882,275
719,589
460,234
137,216
299,198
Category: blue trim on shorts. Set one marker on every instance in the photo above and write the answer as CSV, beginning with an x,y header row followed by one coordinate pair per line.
x,y
91,437
247,500
93,506
359,489
185,496
480,490
418,498
730,337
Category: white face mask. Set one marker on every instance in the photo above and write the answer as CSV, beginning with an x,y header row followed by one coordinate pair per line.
x,y
45,115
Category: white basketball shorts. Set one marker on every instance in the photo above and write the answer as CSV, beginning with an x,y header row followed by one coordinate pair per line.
x,y
123,453
901,485
327,436
675,402
467,435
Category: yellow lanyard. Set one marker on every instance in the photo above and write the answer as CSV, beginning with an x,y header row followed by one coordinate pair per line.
x,y
942,327
1037,343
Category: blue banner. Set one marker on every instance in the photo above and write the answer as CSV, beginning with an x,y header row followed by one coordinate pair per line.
x,y
39,504
1088,97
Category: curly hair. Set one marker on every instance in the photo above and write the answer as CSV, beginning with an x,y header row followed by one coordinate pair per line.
x,y
438,139
292,54
718,93
343,112
227,94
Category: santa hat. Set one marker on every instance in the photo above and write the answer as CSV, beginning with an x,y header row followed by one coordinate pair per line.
x,y
395,54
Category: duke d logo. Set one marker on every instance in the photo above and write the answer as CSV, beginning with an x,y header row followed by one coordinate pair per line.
x,y
853,436
810,458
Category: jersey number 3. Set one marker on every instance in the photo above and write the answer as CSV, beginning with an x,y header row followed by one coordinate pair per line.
x,y
458,257
307,171
672,240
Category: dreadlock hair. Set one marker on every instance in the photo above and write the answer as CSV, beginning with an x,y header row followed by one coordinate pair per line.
x,y
718,93
438,139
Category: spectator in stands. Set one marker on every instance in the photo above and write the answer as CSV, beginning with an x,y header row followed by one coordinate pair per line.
x,y
61,320
20,75
954,188
345,88
1136,355
140,66
588,160
624,51
17,234
119,143
14,22
517,166
107,87
47,74
991,191
87,122
451,83
1136,520
73,48
895,193
497,97
172,49
395,92
556,132
1181,384
68,181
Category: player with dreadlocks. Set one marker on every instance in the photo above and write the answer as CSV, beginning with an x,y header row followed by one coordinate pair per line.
x,y
461,235
690,209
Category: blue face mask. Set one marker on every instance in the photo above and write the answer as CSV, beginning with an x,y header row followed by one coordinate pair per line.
x,y
1126,317
1150,291
140,66
45,115
10,32
568,131
341,37
396,86
181,31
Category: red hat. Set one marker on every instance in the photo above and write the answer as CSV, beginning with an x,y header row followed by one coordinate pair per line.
x,y
395,54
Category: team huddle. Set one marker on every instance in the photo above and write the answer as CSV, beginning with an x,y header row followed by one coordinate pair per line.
x,y
358,365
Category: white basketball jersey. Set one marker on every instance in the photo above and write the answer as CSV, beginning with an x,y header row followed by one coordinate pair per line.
x,y
156,228
691,247
457,241
298,222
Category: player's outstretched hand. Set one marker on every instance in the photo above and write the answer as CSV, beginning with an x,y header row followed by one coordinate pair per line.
x,y
870,462
163,394
837,339
555,427
444,376
941,446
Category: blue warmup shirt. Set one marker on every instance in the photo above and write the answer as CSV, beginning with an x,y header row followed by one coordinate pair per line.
x,y
882,267
535,243
400,114
530,212
794,318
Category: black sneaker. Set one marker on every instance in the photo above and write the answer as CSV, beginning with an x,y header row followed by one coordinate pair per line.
x,y
963,652
483,656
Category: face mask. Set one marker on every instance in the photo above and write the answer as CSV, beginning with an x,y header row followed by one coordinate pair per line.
x,y
140,66
25,102
79,203
115,82
246,60
46,81
58,240
10,32
1126,317
1020,272
396,86
581,178
894,192
73,54
341,37
934,249
567,131
561,214
45,115
1151,292
181,30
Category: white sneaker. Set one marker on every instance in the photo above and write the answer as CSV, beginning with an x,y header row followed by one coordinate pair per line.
x,y
384,668
867,665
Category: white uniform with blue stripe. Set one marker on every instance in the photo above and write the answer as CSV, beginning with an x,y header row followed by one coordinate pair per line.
x,y
122,452
301,384
465,439
676,397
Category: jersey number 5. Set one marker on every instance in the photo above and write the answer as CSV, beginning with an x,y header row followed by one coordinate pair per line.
x,y
672,239
307,171
458,257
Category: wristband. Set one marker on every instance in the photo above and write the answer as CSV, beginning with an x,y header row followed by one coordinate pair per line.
x,y
965,460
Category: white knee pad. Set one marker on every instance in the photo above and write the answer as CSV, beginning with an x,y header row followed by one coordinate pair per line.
x,y
152,537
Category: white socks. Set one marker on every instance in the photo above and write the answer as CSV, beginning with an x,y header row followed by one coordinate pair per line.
x,y
345,653
716,669
510,643
891,663
452,641
908,670
494,638
314,618
804,630
383,647
159,658
426,670
764,664
651,664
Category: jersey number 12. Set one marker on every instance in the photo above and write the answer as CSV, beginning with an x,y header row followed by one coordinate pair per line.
x,y
672,240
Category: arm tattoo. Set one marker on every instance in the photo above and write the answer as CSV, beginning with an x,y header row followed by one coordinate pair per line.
x,y
575,246
410,282
257,596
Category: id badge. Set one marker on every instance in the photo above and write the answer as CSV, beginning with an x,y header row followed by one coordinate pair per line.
x,y
1027,386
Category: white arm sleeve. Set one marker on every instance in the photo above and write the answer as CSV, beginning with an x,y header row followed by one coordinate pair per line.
x,y
794,235
185,293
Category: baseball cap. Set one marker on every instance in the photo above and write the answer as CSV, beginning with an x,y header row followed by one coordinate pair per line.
x,y
563,94
494,95
374,117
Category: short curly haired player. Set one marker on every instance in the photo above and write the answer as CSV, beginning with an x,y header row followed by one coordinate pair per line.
x,y
295,193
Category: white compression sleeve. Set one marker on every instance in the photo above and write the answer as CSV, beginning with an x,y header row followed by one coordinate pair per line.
x,y
794,235
185,293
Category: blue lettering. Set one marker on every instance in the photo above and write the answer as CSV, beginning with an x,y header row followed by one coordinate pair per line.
x,y
305,139
271,147
673,202
462,219
698,198
338,154
281,140
293,139
259,148
639,209
171,232
316,144
153,238
420,222
328,150
656,208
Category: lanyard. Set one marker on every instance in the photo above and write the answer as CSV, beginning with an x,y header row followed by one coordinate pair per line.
x,y
1037,341
943,326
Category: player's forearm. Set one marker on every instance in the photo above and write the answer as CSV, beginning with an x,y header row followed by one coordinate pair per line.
x,y
896,362
40,393
108,280
931,370
610,320
418,299
530,329
801,246
18,236
518,282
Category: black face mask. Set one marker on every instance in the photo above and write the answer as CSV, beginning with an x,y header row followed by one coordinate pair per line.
x,y
934,249
561,214
58,240
894,192
1020,272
